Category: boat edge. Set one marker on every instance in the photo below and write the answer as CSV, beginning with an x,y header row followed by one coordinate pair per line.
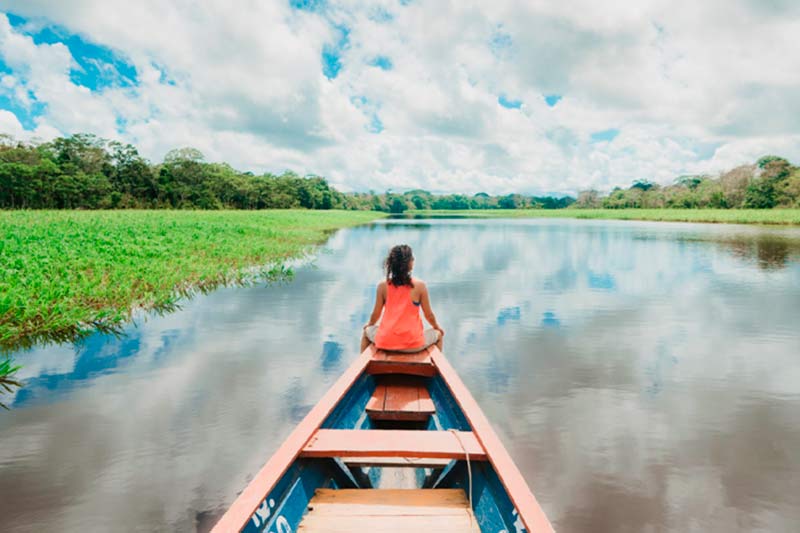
x,y
246,503
519,492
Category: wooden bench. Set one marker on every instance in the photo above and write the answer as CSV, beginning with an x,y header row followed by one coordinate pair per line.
x,y
414,364
389,511
397,462
394,443
400,398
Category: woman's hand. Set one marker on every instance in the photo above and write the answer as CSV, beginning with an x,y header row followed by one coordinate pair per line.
x,y
441,332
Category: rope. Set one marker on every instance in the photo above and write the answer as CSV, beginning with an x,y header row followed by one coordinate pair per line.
x,y
469,476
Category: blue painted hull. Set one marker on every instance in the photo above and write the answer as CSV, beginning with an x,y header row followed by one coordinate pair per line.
x,y
285,505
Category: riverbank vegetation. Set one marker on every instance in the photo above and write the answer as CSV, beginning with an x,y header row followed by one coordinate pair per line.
x,y
729,216
86,172
771,182
7,380
65,274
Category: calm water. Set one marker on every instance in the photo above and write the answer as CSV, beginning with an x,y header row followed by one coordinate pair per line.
x,y
644,376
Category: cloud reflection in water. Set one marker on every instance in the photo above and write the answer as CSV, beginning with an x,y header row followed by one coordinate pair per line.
x,y
633,369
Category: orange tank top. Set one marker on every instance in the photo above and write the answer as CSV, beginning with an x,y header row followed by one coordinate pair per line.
x,y
401,325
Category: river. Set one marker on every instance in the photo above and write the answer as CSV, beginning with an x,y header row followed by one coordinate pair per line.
x,y
644,376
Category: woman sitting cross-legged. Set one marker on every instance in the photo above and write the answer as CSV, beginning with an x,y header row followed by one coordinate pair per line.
x,y
399,298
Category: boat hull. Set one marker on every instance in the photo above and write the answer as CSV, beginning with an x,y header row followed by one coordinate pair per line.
x,y
339,446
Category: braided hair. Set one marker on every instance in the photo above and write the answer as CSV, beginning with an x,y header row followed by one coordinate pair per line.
x,y
398,271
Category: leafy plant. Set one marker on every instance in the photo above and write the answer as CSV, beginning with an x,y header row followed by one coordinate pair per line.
x,y
7,381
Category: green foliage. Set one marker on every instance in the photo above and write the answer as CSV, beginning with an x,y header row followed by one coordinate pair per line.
x,y
84,171
767,159
64,274
776,169
7,380
643,185
690,182
398,205
760,194
771,182
87,172
732,216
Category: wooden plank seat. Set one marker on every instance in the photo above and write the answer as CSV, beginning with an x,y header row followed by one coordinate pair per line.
x,y
400,398
394,443
415,364
389,511
397,462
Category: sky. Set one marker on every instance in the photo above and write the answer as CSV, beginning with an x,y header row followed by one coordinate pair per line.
x,y
535,97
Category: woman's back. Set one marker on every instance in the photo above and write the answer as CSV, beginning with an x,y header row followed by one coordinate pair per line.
x,y
401,326
398,300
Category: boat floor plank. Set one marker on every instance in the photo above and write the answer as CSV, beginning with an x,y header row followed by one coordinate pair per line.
x,y
378,398
400,398
389,511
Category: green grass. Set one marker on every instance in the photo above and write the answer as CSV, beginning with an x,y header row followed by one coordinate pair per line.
x,y
730,216
65,274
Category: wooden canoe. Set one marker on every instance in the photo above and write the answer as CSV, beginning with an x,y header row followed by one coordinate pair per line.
x,y
390,413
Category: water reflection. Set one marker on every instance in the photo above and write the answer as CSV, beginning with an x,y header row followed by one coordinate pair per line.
x,y
93,357
771,252
643,375
331,359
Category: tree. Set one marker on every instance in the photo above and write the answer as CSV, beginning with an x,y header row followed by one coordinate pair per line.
x,y
588,199
397,205
776,169
81,152
734,184
507,202
760,194
643,185
767,159
182,155
690,182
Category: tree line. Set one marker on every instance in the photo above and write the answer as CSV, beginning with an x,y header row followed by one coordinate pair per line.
x,y
84,171
771,182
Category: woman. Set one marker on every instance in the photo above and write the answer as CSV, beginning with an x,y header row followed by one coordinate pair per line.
x,y
400,297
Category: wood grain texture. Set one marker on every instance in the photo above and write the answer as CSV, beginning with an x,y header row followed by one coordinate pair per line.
x,y
393,462
389,511
416,364
393,443
400,398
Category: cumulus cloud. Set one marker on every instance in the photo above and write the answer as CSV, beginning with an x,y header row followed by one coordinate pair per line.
x,y
466,96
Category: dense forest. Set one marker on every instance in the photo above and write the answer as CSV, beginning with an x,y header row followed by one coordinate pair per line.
x,y
771,182
86,172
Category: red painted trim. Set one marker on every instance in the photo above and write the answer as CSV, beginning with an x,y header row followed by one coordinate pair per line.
x,y
236,517
528,508
394,443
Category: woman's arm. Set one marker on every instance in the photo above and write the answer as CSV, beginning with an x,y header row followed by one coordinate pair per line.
x,y
380,299
426,308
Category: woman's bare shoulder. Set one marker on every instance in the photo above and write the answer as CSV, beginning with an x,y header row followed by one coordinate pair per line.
x,y
419,283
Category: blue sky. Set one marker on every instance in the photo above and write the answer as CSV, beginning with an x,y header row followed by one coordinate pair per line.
x,y
471,96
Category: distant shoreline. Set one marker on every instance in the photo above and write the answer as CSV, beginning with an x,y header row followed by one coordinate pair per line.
x,y
782,217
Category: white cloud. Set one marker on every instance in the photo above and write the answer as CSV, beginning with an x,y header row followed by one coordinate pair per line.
x,y
246,85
